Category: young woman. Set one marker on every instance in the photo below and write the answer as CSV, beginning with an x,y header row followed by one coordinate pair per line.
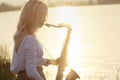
x,y
28,58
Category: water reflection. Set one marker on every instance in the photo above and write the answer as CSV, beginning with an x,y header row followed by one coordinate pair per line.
x,y
67,15
92,37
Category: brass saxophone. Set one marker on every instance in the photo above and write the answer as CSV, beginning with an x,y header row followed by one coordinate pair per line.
x,y
62,62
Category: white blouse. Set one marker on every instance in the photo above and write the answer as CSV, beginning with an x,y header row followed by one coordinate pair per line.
x,y
28,57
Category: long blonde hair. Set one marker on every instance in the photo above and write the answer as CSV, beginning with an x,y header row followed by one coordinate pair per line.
x,y
33,15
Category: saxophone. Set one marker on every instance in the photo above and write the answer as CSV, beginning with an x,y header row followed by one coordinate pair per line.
x,y
62,62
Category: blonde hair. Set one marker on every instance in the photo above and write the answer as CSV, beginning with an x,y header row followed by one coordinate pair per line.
x,y
33,15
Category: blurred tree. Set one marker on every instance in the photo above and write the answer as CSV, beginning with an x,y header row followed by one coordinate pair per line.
x,y
108,1
8,7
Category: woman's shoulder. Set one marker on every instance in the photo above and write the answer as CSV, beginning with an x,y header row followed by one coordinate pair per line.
x,y
29,40
29,36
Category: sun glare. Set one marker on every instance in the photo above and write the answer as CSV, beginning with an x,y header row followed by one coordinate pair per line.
x,y
67,70
67,14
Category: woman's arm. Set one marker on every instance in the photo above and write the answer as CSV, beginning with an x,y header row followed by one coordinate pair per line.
x,y
51,62
30,59
31,67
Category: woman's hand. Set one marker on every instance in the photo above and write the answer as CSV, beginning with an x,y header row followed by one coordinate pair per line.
x,y
52,62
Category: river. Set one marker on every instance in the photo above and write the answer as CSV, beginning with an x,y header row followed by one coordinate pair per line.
x,y
95,38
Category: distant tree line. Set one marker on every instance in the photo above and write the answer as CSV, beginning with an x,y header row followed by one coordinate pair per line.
x,y
83,2
8,7
108,1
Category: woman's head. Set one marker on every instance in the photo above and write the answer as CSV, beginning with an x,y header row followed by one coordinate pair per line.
x,y
32,16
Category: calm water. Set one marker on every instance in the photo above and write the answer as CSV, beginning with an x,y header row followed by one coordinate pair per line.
x,y
95,37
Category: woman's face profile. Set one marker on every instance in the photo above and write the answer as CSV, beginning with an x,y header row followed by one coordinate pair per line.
x,y
42,21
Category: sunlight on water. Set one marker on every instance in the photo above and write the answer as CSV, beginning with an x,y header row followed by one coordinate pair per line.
x,y
69,15
66,14
88,44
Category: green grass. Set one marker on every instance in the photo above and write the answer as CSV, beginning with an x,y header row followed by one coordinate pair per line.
x,y
5,73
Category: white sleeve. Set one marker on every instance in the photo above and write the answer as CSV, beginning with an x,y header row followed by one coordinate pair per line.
x,y
45,62
30,58
31,65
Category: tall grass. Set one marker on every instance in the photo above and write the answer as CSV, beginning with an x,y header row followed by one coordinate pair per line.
x,y
5,73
